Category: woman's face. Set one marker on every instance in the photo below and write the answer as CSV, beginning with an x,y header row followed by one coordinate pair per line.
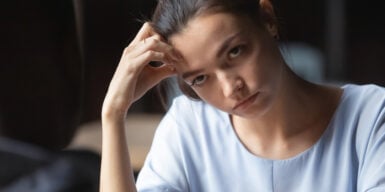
x,y
230,62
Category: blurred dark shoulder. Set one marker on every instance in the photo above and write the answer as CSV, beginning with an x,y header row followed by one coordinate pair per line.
x,y
25,167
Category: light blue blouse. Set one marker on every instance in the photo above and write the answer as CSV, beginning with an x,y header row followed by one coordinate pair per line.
x,y
196,149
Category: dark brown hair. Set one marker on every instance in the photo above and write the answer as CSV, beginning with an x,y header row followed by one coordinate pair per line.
x,y
171,16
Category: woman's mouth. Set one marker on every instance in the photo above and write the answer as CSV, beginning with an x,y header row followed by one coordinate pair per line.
x,y
246,102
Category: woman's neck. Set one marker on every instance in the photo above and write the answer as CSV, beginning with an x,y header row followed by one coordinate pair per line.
x,y
297,118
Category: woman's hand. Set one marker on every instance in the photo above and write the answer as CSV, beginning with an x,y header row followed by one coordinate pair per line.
x,y
134,76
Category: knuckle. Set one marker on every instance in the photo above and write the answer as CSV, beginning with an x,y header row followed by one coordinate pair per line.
x,y
153,54
157,37
127,50
152,43
146,25
150,54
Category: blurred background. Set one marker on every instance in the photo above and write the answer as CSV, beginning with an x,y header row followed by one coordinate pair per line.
x,y
57,58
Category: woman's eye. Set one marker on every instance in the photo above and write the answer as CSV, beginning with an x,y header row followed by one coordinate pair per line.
x,y
235,52
199,80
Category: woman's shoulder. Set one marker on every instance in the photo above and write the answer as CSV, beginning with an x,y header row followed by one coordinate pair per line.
x,y
362,107
361,96
365,90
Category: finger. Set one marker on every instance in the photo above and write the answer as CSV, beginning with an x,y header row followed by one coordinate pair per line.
x,y
169,58
145,31
135,44
153,43
133,47
163,46
147,57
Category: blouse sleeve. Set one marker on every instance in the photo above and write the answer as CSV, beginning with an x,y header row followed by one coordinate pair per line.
x,y
163,169
371,175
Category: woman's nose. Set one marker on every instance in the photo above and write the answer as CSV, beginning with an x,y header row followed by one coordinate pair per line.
x,y
231,85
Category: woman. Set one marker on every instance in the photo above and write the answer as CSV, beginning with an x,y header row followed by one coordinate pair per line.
x,y
257,126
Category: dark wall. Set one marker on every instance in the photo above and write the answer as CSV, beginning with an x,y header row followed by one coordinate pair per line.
x,y
302,20
57,59
366,42
109,26
364,30
39,72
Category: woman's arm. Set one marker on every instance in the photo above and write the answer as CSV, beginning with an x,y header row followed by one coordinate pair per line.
x,y
133,77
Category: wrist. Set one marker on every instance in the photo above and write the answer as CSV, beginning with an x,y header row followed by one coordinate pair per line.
x,y
113,113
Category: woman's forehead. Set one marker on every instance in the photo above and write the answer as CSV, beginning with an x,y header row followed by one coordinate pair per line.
x,y
202,36
207,24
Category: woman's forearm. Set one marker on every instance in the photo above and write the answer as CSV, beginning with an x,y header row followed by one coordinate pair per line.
x,y
131,80
116,171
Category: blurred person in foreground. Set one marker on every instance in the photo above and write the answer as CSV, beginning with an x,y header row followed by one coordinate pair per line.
x,y
40,100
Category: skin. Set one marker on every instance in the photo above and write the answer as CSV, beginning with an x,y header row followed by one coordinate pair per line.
x,y
249,64
275,114
132,78
278,118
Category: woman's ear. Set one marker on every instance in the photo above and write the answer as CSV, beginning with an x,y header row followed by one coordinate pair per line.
x,y
273,30
269,18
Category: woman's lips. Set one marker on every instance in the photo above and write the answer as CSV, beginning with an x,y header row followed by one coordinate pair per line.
x,y
246,102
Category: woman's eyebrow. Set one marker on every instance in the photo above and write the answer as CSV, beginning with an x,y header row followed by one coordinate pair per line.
x,y
191,73
226,44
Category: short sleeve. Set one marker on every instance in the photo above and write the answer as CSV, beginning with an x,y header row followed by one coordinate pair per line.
x,y
163,169
372,172
371,175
